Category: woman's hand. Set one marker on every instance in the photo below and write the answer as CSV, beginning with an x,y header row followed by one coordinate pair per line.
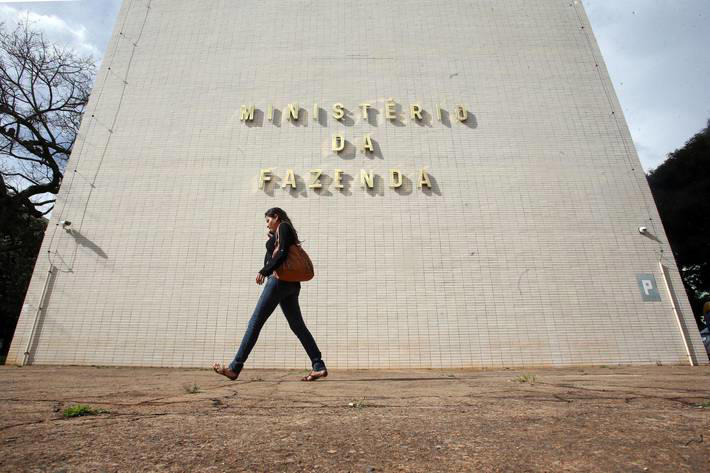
x,y
260,278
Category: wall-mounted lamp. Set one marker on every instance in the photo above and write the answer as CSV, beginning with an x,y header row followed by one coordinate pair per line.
x,y
643,230
65,223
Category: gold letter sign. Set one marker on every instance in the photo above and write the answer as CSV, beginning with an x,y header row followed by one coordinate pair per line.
x,y
264,176
338,178
368,146
338,111
365,107
424,179
290,179
395,178
246,113
362,145
415,111
461,113
338,142
293,109
367,179
316,179
390,110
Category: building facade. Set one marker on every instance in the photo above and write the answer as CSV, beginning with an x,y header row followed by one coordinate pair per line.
x,y
460,172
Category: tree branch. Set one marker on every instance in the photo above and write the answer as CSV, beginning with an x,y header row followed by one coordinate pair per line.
x,y
17,174
45,202
43,93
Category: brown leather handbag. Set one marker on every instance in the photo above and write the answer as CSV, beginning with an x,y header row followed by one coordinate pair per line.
x,y
297,267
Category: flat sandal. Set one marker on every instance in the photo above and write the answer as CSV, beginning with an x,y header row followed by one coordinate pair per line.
x,y
314,375
219,369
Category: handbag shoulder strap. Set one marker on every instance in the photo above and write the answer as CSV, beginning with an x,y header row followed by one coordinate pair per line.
x,y
277,235
296,244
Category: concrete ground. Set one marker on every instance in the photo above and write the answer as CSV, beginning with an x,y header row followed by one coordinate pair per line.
x,y
605,419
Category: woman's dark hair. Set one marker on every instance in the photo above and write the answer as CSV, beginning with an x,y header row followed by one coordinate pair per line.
x,y
283,217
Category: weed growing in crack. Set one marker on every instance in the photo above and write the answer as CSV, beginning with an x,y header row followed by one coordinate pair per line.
x,y
526,378
79,410
358,404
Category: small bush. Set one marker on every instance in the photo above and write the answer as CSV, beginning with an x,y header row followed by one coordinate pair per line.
x,y
79,410
191,388
358,404
526,378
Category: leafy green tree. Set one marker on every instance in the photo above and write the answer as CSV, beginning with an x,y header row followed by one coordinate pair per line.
x,y
20,241
681,188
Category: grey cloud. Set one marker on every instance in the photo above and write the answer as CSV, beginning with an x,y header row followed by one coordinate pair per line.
x,y
84,26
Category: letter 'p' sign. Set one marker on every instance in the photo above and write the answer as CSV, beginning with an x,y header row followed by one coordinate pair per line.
x,y
648,287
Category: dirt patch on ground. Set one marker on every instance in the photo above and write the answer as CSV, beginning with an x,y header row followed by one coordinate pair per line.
x,y
575,419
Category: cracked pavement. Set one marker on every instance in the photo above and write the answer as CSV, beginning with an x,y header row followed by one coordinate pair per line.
x,y
640,418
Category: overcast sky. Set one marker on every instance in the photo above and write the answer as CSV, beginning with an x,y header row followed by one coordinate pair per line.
x,y
656,52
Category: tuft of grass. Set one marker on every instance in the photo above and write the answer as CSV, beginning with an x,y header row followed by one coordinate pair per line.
x,y
79,410
703,405
191,388
525,378
358,404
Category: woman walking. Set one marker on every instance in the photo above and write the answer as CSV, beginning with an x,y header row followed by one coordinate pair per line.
x,y
276,292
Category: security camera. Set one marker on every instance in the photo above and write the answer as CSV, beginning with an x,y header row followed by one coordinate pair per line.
x,y
65,223
643,230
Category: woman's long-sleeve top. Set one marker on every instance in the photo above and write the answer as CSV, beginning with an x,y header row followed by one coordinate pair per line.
x,y
287,237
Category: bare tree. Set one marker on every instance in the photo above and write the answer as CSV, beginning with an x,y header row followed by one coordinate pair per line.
x,y
44,90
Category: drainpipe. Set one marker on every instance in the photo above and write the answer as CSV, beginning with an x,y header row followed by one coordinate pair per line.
x,y
26,357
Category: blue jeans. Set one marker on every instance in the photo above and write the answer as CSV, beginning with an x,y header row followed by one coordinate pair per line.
x,y
285,294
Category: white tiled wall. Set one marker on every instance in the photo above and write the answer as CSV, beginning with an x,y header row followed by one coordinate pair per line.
x,y
525,252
